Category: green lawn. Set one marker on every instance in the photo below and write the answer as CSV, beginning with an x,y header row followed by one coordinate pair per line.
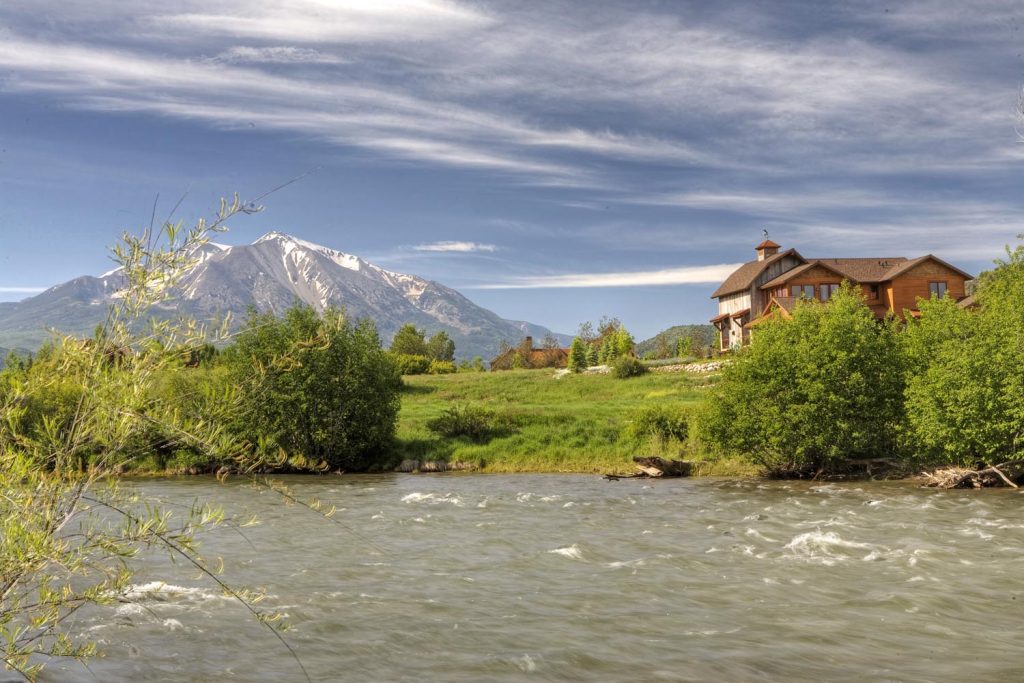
x,y
573,424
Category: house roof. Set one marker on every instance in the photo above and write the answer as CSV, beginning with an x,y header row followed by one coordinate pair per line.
x,y
904,267
719,318
745,275
864,270
767,244
740,314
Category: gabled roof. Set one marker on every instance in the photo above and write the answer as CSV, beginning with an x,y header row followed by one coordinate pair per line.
x,y
767,244
745,275
907,265
860,270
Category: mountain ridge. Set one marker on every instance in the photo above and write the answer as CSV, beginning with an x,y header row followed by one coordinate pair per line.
x,y
271,274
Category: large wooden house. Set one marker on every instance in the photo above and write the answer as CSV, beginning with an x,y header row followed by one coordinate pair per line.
x,y
776,280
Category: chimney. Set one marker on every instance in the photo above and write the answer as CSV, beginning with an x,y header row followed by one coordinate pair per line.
x,y
766,249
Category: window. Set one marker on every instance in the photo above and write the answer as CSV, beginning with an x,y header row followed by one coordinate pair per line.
x,y
827,291
804,291
873,292
937,289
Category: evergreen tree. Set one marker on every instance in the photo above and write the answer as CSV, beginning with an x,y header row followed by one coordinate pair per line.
x,y
592,355
577,355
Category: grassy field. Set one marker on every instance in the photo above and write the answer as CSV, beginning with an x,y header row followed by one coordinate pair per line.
x,y
574,424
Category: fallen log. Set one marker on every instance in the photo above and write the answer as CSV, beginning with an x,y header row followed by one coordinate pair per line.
x,y
660,467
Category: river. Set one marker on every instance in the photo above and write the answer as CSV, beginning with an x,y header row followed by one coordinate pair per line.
x,y
573,578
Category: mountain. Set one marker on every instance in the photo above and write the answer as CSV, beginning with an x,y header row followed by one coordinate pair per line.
x,y
271,274
703,337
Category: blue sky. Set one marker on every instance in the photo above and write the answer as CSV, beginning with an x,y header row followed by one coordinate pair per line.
x,y
554,161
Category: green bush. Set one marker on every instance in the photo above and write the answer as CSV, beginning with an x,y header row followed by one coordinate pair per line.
x,y
965,387
661,422
475,365
315,389
472,422
624,367
411,364
442,367
811,392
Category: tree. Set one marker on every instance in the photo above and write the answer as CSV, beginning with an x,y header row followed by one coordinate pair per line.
x,y
623,342
809,393
662,348
592,355
684,346
440,347
549,343
577,355
315,389
409,341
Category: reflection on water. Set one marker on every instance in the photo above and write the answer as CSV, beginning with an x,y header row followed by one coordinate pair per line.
x,y
550,577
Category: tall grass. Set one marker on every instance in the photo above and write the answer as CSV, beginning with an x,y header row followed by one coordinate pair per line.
x,y
578,423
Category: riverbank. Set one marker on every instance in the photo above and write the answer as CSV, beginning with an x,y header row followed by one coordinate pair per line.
x,y
577,423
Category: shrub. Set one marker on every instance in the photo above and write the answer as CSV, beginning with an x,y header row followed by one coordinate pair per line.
x,y
472,422
315,388
475,365
408,364
965,393
662,422
810,392
442,367
628,366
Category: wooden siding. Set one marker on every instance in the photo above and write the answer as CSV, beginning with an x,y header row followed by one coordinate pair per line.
x,y
903,292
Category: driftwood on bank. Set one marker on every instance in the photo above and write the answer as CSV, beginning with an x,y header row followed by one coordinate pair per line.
x,y
654,467
1004,474
410,466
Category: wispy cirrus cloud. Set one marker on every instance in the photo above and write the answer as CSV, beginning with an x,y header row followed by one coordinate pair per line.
x,y
313,21
449,246
694,275
279,54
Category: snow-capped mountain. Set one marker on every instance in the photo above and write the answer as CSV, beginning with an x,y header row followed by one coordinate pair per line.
x,y
271,274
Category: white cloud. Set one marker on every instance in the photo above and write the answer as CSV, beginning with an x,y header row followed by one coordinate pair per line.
x,y
282,54
22,290
454,246
317,21
695,275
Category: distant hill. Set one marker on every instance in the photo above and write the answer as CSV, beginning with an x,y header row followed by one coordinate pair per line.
x,y
703,336
271,274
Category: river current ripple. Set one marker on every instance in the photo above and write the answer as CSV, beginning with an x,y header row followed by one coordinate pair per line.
x,y
572,578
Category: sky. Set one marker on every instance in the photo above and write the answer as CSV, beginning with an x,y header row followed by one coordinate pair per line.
x,y
554,161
